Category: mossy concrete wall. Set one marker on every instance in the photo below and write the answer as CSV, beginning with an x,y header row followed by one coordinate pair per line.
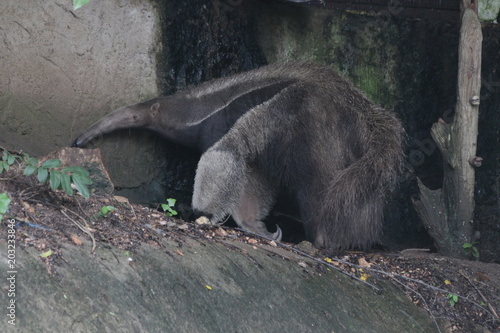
x,y
61,70
353,44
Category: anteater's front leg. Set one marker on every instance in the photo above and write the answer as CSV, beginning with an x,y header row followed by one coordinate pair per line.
x,y
225,184
255,203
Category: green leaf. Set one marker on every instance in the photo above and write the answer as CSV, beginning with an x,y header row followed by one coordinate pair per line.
x,y
66,183
79,3
32,162
42,175
86,180
77,170
105,210
70,169
5,165
4,203
475,252
452,298
5,155
52,163
55,179
168,207
1,168
29,170
81,186
11,159
46,254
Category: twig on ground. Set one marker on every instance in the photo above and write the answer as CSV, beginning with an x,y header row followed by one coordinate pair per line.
x,y
480,294
133,211
392,275
304,254
372,270
84,229
423,299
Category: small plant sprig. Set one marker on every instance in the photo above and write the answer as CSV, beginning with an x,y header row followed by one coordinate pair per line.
x,y
452,298
7,161
4,204
168,208
106,210
471,249
50,170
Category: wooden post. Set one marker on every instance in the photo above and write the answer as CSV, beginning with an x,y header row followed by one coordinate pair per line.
x,y
448,212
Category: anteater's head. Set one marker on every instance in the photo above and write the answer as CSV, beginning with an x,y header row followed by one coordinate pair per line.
x,y
142,115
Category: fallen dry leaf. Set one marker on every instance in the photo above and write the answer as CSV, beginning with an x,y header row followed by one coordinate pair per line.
x,y
75,239
121,199
179,253
364,276
363,263
202,220
46,254
30,209
221,232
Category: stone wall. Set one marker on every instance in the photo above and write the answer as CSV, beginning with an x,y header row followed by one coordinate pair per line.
x,y
61,70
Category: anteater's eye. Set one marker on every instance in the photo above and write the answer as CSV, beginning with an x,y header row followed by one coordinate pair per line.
x,y
135,117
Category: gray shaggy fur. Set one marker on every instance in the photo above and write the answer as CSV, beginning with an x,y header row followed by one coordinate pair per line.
x,y
300,126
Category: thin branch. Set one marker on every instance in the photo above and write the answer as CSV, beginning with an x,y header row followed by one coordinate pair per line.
x,y
423,299
372,270
304,254
428,286
84,229
480,294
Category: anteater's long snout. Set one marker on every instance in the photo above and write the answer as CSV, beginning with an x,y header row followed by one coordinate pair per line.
x,y
77,143
83,139
119,119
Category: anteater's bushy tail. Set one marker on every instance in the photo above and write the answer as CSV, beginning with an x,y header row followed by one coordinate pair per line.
x,y
352,210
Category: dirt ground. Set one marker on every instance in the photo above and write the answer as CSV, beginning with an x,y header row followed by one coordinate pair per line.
x,y
44,219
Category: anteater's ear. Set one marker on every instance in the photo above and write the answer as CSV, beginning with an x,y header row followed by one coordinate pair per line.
x,y
155,108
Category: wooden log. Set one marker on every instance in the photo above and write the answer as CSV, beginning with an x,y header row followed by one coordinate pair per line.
x,y
448,214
